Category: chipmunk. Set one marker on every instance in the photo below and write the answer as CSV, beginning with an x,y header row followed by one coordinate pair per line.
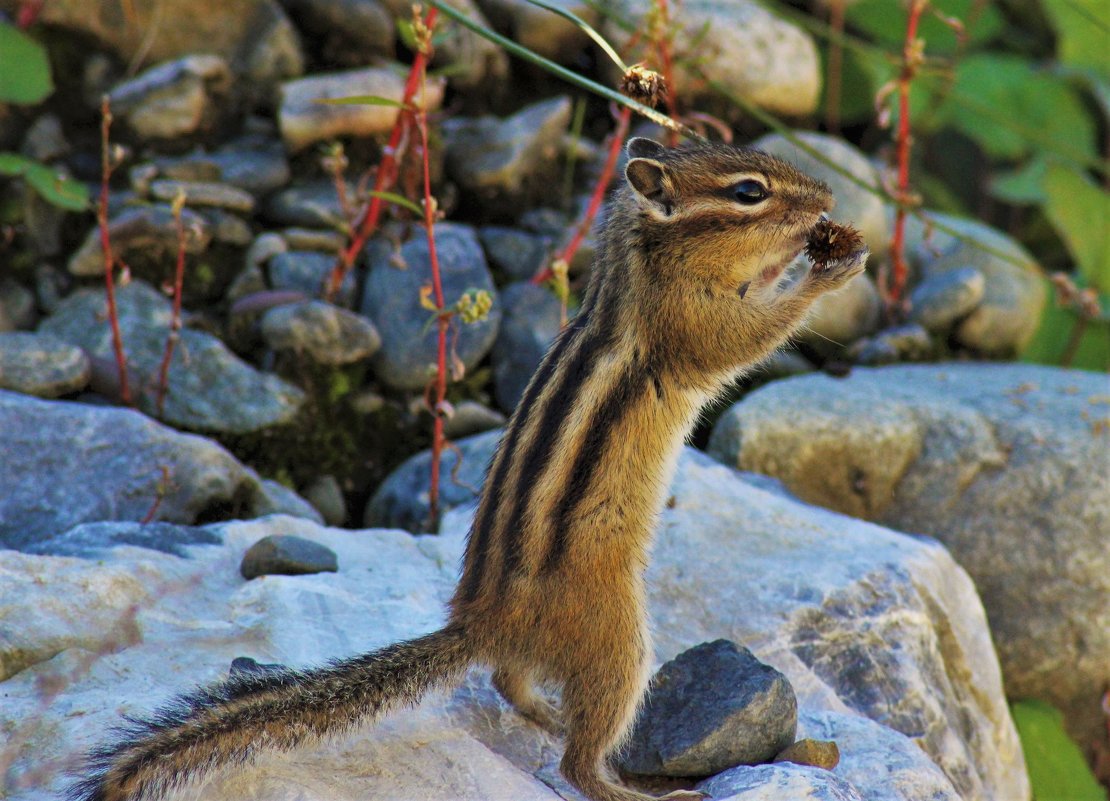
x,y
687,291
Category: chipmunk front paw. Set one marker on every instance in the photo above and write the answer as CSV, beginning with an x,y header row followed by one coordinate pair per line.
x,y
832,275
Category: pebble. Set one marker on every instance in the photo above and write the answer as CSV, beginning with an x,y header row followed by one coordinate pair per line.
x,y
903,343
532,320
174,99
41,365
45,140
350,30
245,665
518,254
313,204
326,334
542,31
254,163
710,708
943,298
227,228
837,319
203,193
330,242
147,232
327,496
308,271
17,304
277,499
470,417
818,753
287,555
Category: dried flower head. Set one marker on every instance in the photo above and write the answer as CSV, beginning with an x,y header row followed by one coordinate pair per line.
x,y
643,85
829,241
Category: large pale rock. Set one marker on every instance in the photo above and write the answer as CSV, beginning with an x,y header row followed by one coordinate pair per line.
x,y
1008,465
174,99
541,30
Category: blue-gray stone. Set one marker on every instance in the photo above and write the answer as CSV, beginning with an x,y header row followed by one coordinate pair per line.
x,y
307,271
92,539
286,555
530,324
518,254
945,297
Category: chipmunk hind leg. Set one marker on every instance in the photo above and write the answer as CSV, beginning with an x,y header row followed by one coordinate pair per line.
x,y
517,686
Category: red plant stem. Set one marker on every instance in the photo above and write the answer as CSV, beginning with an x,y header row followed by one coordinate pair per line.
x,y
28,13
663,47
836,66
106,249
615,142
175,320
893,294
385,176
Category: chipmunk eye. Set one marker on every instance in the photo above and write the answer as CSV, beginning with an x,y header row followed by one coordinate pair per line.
x,y
750,192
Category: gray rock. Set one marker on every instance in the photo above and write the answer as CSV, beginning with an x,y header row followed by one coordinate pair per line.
x,y
392,301
203,193
784,363
209,388
330,242
327,496
286,555
531,322
854,205
17,305
818,753
244,664
1014,295
470,417
777,68
92,540
45,140
175,99
320,331
256,164
41,365
144,232
508,160
275,498
840,318
402,499
307,272
943,298
64,463
351,30
305,119
517,253
42,220
312,205
541,30
1006,464
778,782
708,709
903,343
227,228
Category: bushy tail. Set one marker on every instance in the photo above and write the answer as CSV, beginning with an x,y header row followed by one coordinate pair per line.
x,y
229,723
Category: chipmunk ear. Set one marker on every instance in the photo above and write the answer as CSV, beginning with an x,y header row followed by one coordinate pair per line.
x,y
650,180
640,148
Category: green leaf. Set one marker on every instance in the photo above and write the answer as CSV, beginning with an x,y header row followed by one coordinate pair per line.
x,y
1080,212
1057,769
24,68
885,22
360,100
407,33
1082,31
399,200
51,185
1023,186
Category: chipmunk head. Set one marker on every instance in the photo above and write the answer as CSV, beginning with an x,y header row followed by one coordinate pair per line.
x,y
730,214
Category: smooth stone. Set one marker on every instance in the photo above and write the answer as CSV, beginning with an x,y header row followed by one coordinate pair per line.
x,y
312,204
203,193
208,388
391,300
227,228
903,343
147,232
37,364
518,254
17,305
818,753
256,164
245,664
855,206
710,708
531,322
175,99
308,272
783,364
94,540
69,463
942,299
287,555
330,242
277,499
1006,464
778,783
324,333
837,319
470,417
306,118
326,495
45,140
541,30
351,30
43,222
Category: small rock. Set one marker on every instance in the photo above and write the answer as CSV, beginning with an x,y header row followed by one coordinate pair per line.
x,y
471,417
147,232
203,193
708,709
304,117
311,205
327,496
92,540
247,665
175,99
51,285
256,164
330,242
903,343
277,499
45,140
531,323
307,271
781,782
783,364
350,30
324,333
392,301
227,228
508,160
17,305
542,31
516,253
37,364
837,319
818,753
287,555
943,298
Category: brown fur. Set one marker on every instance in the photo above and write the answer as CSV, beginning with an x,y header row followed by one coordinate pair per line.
x,y
685,294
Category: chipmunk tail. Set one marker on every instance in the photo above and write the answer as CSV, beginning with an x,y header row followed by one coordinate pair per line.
x,y
231,722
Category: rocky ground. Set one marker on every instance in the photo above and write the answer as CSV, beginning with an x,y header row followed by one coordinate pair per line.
x,y
128,567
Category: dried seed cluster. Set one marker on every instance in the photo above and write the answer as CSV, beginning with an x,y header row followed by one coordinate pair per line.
x,y
829,241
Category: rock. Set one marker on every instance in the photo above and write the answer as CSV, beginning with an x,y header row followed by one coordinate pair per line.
x,y
305,118
1014,295
208,389
902,343
45,140
392,301
68,463
287,555
312,205
818,753
512,160
943,298
255,36
531,322
837,319
777,68
708,709
516,253
203,193
307,272
856,206
92,540
176,99
351,30
1006,464
401,501
277,499
471,417
253,163
244,664
17,305
227,229
323,333
41,365
541,30
776,783
147,233
782,364
327,496
330,242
